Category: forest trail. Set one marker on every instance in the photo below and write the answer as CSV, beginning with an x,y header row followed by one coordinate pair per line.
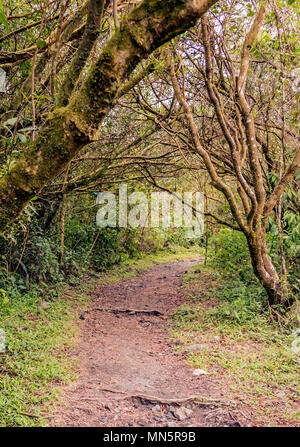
x,y
130,373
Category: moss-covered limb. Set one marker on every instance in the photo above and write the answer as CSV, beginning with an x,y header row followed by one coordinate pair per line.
x,y
68,129
91,33
134,80
148,26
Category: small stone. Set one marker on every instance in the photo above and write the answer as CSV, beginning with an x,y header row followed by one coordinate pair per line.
x,y
117,410
142,423
199,372
182,413
44,305
217,338
171,424
104,420
155,409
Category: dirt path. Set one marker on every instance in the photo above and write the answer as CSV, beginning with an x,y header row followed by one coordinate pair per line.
x,y
130,374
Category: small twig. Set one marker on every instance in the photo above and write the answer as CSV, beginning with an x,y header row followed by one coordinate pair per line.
x,y
22,253
29,415
93,244
67,293
271,314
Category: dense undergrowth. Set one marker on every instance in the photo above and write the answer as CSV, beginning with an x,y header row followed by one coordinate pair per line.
x,y
242,295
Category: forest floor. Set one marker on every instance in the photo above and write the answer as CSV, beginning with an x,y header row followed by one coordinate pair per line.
x,y
139,366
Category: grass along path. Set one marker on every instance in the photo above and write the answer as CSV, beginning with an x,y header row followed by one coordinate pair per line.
x,y
247,355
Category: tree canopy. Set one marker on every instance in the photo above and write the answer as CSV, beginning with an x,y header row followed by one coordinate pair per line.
x,y
98,92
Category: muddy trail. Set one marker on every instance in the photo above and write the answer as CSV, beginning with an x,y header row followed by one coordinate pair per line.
x,y
130,373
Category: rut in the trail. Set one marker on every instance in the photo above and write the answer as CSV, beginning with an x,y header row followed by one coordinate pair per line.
x,y
125,357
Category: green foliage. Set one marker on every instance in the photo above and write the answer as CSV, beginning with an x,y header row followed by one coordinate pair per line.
x,y
241,295
31,252
2,16
3,298
290,223
31,361
30,264
229,249
41,260
257,358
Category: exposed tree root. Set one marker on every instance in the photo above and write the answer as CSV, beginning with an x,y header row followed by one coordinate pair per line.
x,y
198,400
130,311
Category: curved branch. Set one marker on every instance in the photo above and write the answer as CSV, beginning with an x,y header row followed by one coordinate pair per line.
x,y
216,181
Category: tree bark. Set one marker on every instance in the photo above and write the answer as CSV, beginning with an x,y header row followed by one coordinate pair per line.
x,y
265,270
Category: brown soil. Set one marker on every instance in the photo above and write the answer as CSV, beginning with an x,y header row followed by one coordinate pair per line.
x,y
130,374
